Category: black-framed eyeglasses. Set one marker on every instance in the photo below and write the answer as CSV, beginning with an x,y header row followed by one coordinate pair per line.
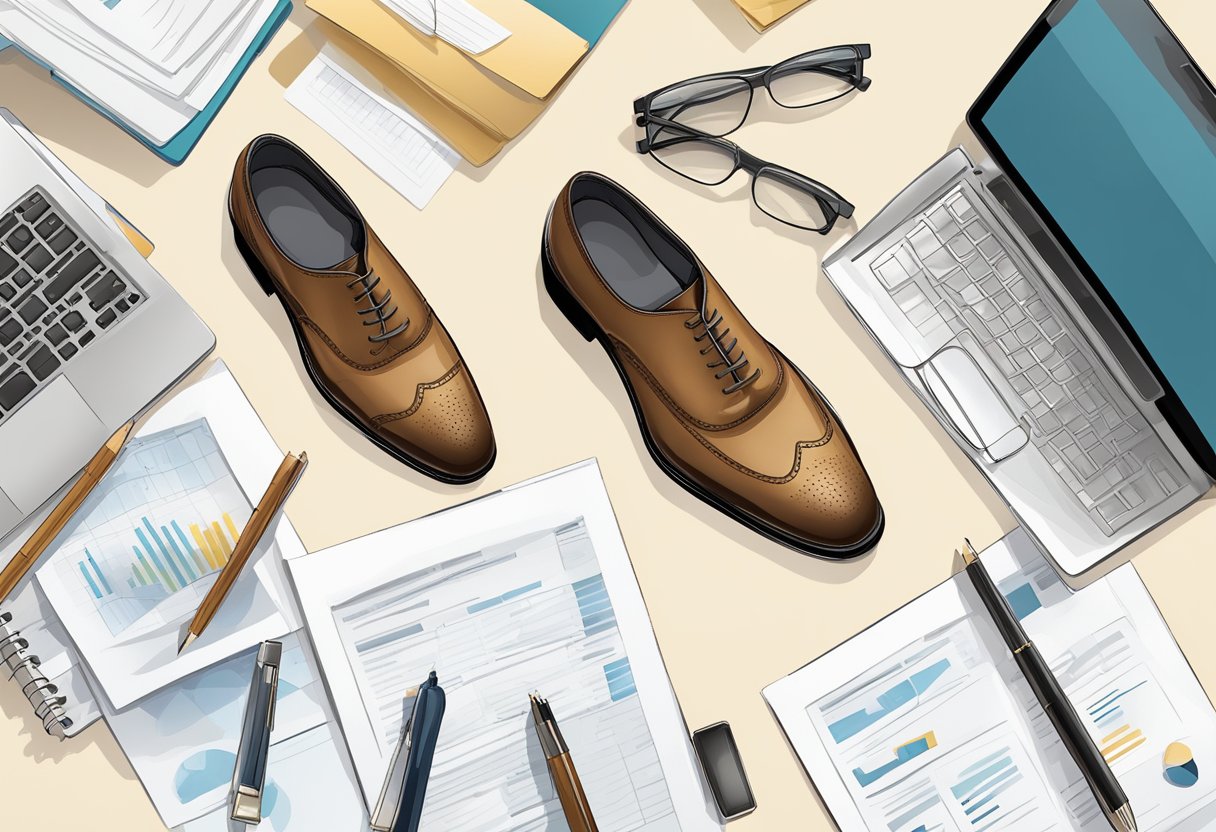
x,y
718,104
783,194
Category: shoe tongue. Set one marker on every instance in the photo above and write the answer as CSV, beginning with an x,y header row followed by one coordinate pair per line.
x,y
689,298
352,264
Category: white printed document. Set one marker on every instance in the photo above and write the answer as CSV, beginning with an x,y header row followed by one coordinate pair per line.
x,y
924,721
348,103
529,589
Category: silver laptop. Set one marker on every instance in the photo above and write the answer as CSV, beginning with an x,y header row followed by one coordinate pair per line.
x,y
1054,303
90,334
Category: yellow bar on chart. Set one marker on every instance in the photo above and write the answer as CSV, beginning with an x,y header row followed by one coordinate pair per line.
x,y
215,546
203,546
1121,747
232,530
223,540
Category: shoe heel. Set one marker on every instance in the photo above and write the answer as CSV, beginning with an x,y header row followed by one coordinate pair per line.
x,y
565,301
251,261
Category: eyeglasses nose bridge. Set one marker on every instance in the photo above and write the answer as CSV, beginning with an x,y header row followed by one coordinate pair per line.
x,y
748,162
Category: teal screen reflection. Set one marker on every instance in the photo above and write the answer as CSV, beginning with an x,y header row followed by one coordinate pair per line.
x,y
1108,136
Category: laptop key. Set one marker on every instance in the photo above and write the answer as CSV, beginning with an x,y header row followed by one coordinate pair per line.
x,y
71,275
15,388
7,292
6,223
32,309
106,318
22,278
56,335
86,338
73,321
42,363
7,264
62,241
49,225
33,207
105,290
9,330
19,239
38,258
68,350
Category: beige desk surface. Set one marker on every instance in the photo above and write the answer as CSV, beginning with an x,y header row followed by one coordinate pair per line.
x,y
732,611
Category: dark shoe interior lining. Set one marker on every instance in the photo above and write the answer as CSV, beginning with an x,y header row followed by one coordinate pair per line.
x,y
309,219
641,263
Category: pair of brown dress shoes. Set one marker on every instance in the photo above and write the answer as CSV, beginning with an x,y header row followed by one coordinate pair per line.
x,y
721,410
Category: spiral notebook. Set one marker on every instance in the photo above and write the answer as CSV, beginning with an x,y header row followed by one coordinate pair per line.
x,y
924,722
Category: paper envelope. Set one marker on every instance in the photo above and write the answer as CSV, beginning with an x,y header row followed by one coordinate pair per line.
x,y
503,108
467,135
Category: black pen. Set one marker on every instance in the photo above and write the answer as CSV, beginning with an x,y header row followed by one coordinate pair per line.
x,y
1051,696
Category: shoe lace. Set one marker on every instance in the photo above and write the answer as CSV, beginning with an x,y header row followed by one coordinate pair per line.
x,y
732,367
379,311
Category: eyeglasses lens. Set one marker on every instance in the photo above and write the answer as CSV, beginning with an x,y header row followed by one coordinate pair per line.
x,y
715,106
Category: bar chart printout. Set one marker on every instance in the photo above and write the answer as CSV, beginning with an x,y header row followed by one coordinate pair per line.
x,y
158,527
529,613
924,722
131,568
929,740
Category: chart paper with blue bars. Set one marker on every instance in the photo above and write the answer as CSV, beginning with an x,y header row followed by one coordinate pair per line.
x,y
924,722
531,613
165,518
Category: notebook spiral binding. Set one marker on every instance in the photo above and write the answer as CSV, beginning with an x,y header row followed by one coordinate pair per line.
x,y
23,667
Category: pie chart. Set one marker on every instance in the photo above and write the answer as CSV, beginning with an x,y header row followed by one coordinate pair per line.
x,y
1180,767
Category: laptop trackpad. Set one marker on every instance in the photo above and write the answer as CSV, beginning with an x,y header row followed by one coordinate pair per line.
x,y
45,442
970,402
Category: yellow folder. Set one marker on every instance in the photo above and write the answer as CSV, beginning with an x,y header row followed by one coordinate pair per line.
x,y
142,244
764,13
464,81
540,52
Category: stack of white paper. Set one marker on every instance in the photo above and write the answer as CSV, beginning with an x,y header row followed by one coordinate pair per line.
x,y
153,64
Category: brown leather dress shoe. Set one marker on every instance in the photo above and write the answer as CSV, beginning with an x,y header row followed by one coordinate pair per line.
x,y
369,340
722,412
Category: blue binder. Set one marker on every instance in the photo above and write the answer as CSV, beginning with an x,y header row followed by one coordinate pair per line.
x,y
178,148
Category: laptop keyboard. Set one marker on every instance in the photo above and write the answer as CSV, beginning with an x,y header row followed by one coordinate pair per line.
x,y
951,269
56,297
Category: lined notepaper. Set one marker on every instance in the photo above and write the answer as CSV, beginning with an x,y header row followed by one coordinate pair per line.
x,y
381,133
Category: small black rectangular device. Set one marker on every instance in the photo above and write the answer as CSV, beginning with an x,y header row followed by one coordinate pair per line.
x,y
719,756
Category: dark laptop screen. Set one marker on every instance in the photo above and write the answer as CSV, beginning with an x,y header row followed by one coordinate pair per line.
x,y
1115,138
